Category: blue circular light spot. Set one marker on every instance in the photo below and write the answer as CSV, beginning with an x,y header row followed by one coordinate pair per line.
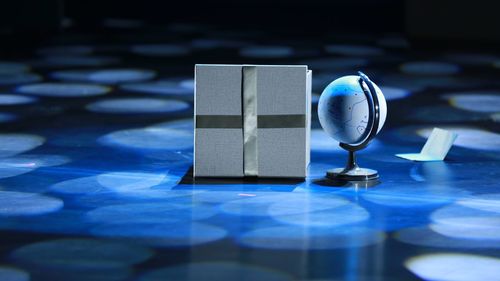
x,y
474,59
63,90
163,234
406,197
394,42
120,23
19,78
137,105
56,61
424,236
105,76
82,259
217,43
13,144
18,165
12,68
394,93
335,64
267,52
8,99
27,204
154,212
329,215
150,139
304,238
168,88
429,68
353,50
13,274
66,50
7,117
160,50
214,271
78,186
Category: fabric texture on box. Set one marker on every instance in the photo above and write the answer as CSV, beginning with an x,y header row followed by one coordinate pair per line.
x,y
273,106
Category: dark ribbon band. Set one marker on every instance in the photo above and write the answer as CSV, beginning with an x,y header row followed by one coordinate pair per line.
x,y
263,121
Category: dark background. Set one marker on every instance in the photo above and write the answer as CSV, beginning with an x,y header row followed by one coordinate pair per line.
x,y
25,23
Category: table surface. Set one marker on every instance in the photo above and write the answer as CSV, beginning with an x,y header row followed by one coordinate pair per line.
x,y
96,148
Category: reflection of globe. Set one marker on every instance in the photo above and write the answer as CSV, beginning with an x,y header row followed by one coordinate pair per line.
x,y
343,110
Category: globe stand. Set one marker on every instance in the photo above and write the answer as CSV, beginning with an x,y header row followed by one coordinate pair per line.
x,y
352,172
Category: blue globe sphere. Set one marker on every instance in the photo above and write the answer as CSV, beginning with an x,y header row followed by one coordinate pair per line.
x,y
343,110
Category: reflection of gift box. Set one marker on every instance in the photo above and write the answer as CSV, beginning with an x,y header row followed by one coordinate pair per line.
x,y
252,120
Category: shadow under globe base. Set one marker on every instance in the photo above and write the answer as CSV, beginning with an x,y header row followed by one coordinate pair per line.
x,y
354,174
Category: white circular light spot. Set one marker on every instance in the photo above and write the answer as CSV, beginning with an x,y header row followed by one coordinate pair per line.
x,y
454,266
483,202
477,101
461,222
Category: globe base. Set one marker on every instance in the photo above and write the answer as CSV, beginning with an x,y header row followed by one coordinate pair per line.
x,y
354,174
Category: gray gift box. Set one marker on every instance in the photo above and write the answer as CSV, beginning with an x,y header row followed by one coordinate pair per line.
x,y
252,120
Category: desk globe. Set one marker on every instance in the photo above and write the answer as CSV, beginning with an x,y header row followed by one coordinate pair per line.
x,y
352,110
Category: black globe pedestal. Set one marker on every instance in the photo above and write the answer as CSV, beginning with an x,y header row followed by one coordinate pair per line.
x,y
352,172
